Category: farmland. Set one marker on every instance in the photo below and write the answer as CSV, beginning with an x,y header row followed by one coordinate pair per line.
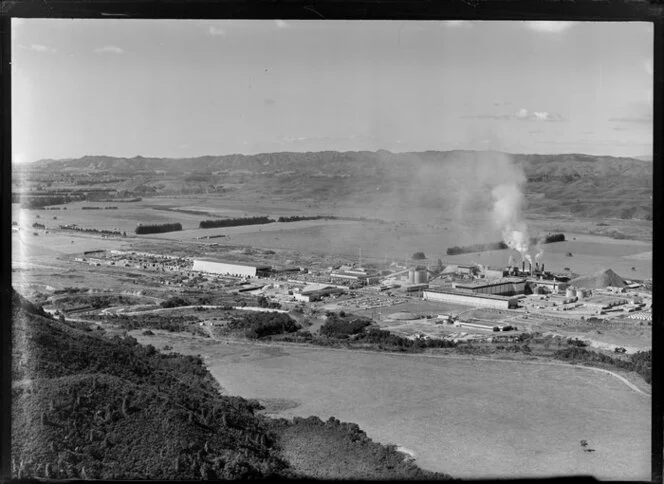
x,y
536,414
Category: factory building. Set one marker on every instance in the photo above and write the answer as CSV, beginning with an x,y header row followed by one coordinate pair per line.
x,y
552,286
354,275
506,286
230,269
491,273
470,299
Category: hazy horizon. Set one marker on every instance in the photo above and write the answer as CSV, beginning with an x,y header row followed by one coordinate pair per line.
x,y
187,88
640,157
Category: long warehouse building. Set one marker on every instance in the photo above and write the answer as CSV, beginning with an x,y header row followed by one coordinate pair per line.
x,y
470,299
230,269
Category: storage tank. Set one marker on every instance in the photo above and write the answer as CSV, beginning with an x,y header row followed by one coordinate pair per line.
x,y
570,292
411,276
420,276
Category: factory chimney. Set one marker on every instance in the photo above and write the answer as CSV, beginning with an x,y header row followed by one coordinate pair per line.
x,y
523,266
530,268
536,266
542,266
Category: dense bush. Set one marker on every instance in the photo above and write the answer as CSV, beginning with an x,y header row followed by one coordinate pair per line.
x,y
234,222
171,323
419,256
158,228
338,327
640,362
264,302
258,325
554,238
110,408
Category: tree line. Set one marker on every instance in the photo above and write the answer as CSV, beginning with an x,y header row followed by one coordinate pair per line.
x,y
465,249
235,222
158,228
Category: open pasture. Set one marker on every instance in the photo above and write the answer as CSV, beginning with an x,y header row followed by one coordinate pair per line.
x,y
467,417
589,255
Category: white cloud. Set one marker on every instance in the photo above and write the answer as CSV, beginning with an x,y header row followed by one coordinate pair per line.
x,y
521,113
457,23
282,24
216,31
41,48
541,116
648,65
109,49
548,26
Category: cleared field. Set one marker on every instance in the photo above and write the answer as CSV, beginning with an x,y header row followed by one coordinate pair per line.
x,y
394,241
470,418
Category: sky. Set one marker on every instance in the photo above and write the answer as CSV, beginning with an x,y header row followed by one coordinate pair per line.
x,y
182,88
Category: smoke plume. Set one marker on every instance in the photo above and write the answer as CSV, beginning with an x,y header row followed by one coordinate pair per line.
x,y
508,205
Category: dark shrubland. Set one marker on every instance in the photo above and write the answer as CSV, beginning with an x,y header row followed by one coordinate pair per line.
x,y
340,450
86,406
640,362
259,325
91,407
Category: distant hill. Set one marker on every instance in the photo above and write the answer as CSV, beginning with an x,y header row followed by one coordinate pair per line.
x,y
86,406
578,184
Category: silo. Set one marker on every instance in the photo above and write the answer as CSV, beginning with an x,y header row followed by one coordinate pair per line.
x,y
570,292
420,276
411,276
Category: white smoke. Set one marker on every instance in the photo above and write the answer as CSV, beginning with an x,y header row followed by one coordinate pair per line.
x,y
508,204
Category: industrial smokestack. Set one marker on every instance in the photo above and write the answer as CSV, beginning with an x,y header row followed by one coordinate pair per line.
x,y
537,266
542,266
523,266
530,268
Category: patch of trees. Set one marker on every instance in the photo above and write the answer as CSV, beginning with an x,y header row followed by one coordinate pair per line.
x,y
93,301
171,323
361,331
476,248
76,228
548,239
337,326
264,302
298,218
90,208
178,301
418,256
640,362
393,342
131,199
42,200
158,228
235,222
37,225
258,325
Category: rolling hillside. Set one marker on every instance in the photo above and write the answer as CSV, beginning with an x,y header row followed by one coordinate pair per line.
x,y
86,406
575,184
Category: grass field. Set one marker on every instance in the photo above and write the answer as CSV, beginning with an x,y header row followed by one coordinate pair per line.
x,y
469,418
396,240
